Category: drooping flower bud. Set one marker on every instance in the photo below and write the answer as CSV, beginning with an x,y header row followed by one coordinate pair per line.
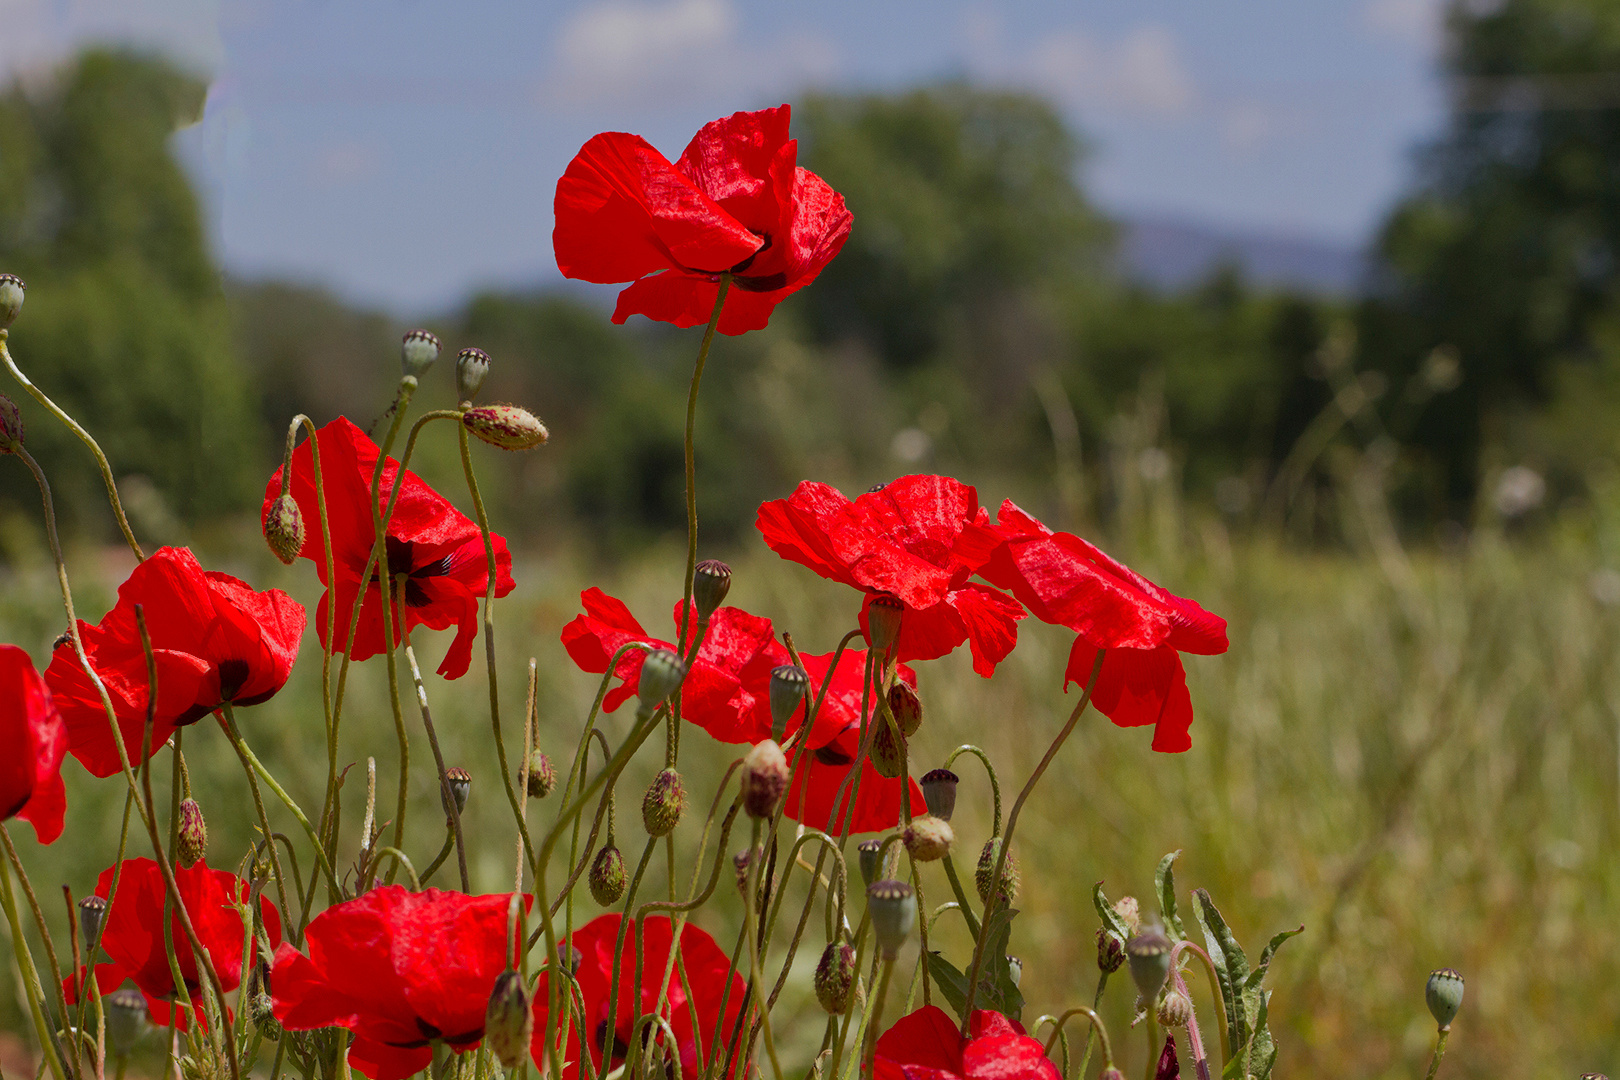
x,y
607,876
1110,1073
1175,1009
711,580
509,427
1444,995
893,907
835,977
126,1019
192,838
661,675
568,958
1110,951
11,426
883,621
888,751
542,775
418,351
928,838
261,1009
663,804
1149,954
459,781
509,1019
789,685
764,779
867,852
92,915
11,299
987,868
1129,911
471,368
939,791
906,708
284,528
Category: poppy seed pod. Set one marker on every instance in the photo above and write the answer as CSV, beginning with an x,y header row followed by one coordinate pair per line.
x,y
1444,995
662,805
883,621
510,427
939,791
867,852
509,1020
789,685
835,977
11,426
607,876
542,775
284,528
92,915
906,708
192,837
764,779
888,751
893,907
1110,952
11,299
1175,1009
661,675
126,1018
1149,954
711,580
987,867
418,351
472,366
928,838
459,781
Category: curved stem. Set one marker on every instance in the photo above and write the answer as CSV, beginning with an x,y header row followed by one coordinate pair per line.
x,y
1096,1026
247,753
1214,992
995,782
1439,1050
30,974
691,463
403,860
264,823
451,808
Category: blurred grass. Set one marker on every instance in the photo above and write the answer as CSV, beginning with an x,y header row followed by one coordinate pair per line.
x,y
1418,762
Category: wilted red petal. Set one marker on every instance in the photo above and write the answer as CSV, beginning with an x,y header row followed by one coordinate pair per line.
x,y
1138,687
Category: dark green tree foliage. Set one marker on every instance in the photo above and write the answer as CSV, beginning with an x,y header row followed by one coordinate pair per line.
x,y
126,324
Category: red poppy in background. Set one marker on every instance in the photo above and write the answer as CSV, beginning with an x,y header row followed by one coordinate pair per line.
x,y
736,201
926,1045
438,548
133,933
33,741
399,969
1064,580
918,539
693,1020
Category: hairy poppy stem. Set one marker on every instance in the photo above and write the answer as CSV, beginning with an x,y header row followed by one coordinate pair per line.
x,y
1096,1003
691,465
1096,1028
452,808
995,782
1439,1051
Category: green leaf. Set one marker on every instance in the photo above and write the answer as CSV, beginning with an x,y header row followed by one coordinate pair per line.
x,y
1263,1052
952,984
1231,967
1110,918
1164,881
996,988
1259,972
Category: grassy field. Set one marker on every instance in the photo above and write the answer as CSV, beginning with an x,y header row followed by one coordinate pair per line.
x,y
1415,756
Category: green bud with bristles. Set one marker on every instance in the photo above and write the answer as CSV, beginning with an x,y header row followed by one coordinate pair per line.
x,y
191,842
509,1020
835,977
542,775
284,528
987,868
662,805
509,427
607,877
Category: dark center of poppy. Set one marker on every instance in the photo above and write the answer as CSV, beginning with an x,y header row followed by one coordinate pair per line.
x,y
831,755
620,1047
402,560
232,674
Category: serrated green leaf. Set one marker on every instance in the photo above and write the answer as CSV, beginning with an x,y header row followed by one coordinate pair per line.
x,y
1231,967
1110,918
996,989
1259,972
1164,883
952,984
1234,1068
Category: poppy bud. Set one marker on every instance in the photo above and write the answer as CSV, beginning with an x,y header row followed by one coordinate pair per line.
x,y
939,791
1110,952
661,807
261,1010
661,675
471,368
906,708
92,914
1444,996
987,867
459,781
542,776
1175,1009
569,958
710,583
509,1021
764,779
284,528
883,621
928,838
418,351
789,685
867,851
126,1019
893,907
607,876
888,751
1149,954
835,977
11,298
1593,1076
192,842
509,427
1129,912
11,426
1110,1073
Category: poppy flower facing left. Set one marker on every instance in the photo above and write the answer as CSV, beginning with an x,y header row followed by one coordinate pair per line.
x,y
735,201
33,741
926,1045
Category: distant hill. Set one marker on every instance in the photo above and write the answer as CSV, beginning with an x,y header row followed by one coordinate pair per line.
x,y
1170,253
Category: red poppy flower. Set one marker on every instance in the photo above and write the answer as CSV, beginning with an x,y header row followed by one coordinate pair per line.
x,y
215,640
438,548
33,740
927,1046
399,969
736,200
693,1020
917,539
133,933
1064,580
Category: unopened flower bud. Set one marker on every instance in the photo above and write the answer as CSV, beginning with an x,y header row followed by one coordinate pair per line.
x,y
928,838
509,1020
710,583
459,781
1149,954
284,528
663,804
661,675
418,351
568,958
987,868
1129,911
92,914
261,1010
11,426
867,852
471,368
888,752
883,621
509,427
126,1019
192,842
1110,951
1444,995
607,877
1175,1009
906,707
789,685
835,977
939,791
542,775
11,299
893,907
764,779
1110,1073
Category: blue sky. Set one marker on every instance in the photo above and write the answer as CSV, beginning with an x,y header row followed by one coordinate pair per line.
x,y
404,152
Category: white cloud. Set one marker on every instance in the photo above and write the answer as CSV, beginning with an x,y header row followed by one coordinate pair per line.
x,y
622,38
1141,72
